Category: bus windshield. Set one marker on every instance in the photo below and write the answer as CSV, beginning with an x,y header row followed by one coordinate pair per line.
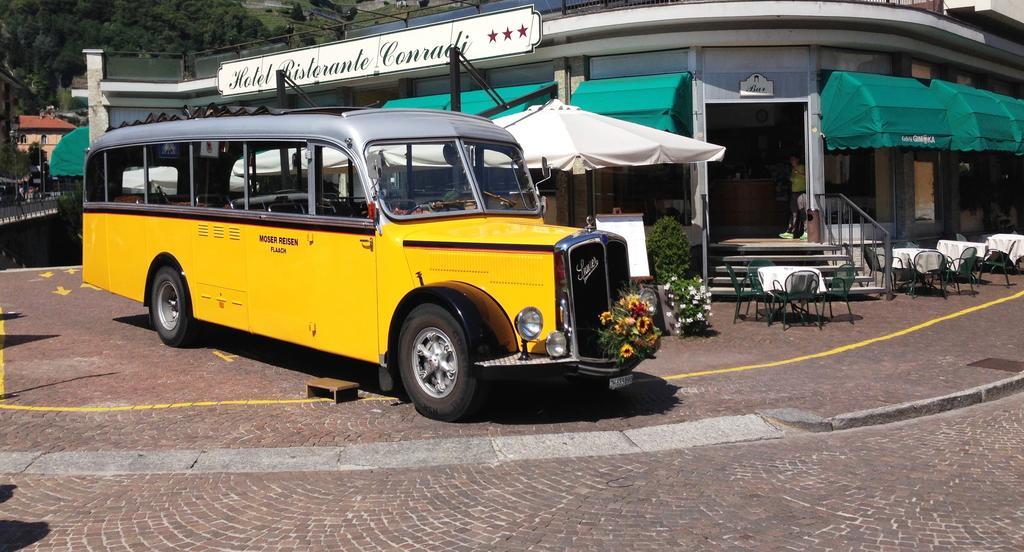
x,y
502,176
417,179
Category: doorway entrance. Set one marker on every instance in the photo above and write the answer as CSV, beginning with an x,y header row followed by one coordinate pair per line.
x,y
748,191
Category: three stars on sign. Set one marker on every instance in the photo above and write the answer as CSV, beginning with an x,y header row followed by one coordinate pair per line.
x,y
507,33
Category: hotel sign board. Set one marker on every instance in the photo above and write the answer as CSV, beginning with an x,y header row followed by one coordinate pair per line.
x,y
492,35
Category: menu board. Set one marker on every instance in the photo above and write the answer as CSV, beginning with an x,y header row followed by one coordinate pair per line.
x,y
631,227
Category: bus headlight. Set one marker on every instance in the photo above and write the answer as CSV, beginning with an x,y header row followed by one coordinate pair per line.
x,y
529,323
555,344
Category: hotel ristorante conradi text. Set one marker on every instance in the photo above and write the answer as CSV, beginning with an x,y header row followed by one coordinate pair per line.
x,y
498,34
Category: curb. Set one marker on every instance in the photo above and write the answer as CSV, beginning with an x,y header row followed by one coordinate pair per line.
x,y
809,421
400,454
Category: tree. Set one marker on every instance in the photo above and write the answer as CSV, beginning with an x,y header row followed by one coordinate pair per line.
x,y
13,163
42,40
296,13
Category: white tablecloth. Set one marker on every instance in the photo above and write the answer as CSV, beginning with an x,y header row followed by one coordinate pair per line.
x,y
774,277
903,257
1002,242
953,249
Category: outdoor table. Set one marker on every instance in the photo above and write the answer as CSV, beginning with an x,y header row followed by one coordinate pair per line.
x,y
774,277
903,257
1002,242
954,249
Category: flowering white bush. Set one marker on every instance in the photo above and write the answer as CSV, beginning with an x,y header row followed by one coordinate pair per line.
x,y
691,304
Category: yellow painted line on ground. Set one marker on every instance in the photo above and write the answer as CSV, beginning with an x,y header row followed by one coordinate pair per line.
x,y
249,402
61,290
71,270
225,356
851,346
2,334
89,286
46,274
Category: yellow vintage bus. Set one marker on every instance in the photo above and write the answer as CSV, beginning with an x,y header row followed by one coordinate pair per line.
x,y
412,239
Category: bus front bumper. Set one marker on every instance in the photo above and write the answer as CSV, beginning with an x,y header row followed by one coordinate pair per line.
x,y
514,367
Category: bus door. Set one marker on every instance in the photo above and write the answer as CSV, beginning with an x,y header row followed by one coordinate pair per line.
x,y
343,271
281,251
218,275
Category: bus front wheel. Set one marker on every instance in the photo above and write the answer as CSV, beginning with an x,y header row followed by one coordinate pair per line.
x,y
434,365
170,310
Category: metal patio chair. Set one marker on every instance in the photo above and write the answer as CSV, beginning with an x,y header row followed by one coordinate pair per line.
x,y
1002,260
754,282
800,287
929,268
839,288
741,294
962,267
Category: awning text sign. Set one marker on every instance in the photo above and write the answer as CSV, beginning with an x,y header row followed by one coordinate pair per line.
x,y
498,34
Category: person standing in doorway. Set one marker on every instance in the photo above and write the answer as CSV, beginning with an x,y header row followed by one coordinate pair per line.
x,y
797,200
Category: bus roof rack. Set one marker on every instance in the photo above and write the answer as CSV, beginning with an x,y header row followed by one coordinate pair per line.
x,y
214,110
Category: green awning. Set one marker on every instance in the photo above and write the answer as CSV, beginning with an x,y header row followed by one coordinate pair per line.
x,y
864,110
68,158
475,101
978,119
1015,108
663,102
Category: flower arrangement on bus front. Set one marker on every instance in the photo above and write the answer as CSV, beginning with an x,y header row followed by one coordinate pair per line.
x,y
627,332
690,301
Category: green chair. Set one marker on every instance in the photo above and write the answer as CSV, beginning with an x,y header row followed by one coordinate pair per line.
x,y
839,288
741,294
929,268
800,287
962,268
1001,260
754,282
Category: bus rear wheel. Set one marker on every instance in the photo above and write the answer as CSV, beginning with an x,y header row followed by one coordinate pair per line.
x,y
434,365
170,310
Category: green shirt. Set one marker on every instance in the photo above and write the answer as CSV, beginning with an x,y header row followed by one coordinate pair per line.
x,y
798,178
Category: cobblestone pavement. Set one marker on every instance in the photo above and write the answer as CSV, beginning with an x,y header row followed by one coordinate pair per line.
x,y
946,482
90,348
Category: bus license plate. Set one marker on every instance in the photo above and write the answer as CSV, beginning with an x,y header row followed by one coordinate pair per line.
x,y
620,382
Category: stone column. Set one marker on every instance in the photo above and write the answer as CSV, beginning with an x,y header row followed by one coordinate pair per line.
x,y
99,119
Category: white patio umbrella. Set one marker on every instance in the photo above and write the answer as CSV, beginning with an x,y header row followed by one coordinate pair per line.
x,y
165,178
564,133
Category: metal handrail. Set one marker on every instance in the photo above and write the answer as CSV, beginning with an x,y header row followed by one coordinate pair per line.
x,y
22,210
848,216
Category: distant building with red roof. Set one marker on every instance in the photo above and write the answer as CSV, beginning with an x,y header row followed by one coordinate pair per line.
x,y
43,130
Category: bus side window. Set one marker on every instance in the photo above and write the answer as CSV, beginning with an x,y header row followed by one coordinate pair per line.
x,y
96,178
218,175
168,174
278,179
339,192
125,175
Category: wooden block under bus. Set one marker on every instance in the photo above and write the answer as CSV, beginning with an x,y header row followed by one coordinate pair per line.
x,y
334,389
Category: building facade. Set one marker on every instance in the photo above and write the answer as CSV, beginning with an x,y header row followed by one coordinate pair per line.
x,y
44,130
762,77
8,103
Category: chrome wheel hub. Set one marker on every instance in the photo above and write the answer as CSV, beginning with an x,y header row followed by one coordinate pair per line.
x,y
435,362
167,305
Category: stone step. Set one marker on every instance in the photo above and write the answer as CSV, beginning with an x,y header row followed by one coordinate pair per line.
x,y
789,245
781,259
724,281
856,290
742,269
